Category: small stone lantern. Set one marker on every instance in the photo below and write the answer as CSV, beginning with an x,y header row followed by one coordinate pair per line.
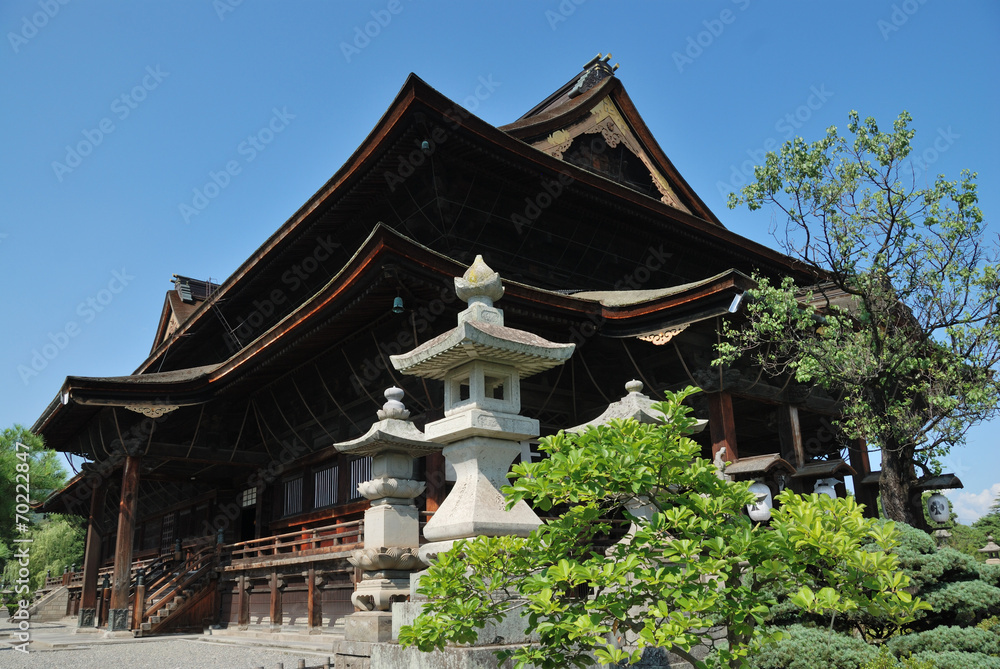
x,y
991,550
392,522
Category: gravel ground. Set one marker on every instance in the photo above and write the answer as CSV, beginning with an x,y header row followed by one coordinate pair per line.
x,y
166,653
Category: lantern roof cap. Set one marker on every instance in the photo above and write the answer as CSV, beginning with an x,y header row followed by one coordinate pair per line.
x,y
635,405
991,546
392,432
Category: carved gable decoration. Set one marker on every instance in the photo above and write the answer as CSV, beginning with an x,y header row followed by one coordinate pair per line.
x,y
615,152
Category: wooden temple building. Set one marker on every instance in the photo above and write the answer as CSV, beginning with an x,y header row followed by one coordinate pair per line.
x,y
211,469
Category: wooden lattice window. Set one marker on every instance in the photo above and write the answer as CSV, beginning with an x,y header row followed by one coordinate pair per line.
x,y
325,487
361,471
293,496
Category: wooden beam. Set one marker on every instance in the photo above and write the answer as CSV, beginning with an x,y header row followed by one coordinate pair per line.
x,y
203,455
118,615
722,425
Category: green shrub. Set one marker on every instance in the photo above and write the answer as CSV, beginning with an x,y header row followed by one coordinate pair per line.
x,y
964,603
913,541
991,624
953,659
990,573
885,660
940,639
811,648
945,566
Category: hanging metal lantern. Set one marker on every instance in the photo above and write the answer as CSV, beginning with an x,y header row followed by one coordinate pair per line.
x,y
938,508
826,487
760,511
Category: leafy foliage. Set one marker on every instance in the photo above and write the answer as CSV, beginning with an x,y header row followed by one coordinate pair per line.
x,y
885,660
57,543
902,324
25,465
691,562
954,659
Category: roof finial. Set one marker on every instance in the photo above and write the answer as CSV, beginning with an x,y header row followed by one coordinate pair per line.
x,y
479,284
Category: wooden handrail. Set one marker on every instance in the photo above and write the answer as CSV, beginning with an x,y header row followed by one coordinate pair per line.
x,y
291,542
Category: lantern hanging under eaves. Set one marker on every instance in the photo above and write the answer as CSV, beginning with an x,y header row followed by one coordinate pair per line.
x,y
760,511
938,508
826,487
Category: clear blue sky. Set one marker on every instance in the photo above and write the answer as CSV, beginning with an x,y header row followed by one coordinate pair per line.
x,y
159,94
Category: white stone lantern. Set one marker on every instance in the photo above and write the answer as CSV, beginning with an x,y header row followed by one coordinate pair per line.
x,y
938,508
760,511
481,362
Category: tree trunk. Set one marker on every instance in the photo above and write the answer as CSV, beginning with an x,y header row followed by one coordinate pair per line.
x,y
895,485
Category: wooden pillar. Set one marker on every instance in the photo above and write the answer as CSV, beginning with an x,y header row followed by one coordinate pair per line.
x,y
434,477
315,601
790,436
118,614
344,479
243,617
276,585
139,605
92,557
722,426
102,610
258,522
864,494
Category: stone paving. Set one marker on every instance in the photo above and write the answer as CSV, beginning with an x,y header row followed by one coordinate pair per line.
x,y
56,645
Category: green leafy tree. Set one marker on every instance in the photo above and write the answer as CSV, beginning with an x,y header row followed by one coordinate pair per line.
x,y
989,524
902,322
28,474
57,543
691,564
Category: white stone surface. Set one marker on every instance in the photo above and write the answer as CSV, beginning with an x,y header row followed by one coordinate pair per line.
x,y
392,525
481,423
475,505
